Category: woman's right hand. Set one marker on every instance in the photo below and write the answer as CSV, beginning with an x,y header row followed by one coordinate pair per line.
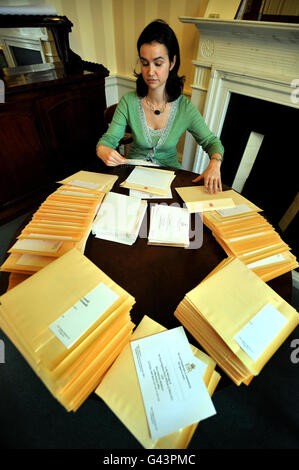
x,y
110,156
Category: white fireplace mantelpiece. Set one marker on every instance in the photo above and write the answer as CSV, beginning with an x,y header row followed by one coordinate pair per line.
x,y
253,58
34,39
254,26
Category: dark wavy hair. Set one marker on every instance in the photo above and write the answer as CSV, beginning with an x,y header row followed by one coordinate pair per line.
x,y
159,31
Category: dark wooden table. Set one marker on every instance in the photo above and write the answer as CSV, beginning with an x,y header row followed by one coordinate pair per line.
x,y
158,278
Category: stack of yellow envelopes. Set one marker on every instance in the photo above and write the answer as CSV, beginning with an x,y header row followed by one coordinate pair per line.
x,y
237,318
90,180
69,321
69,212
247,235
63,221
65,215
124,397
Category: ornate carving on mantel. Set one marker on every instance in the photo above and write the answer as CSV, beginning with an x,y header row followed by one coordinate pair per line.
x,y
207,47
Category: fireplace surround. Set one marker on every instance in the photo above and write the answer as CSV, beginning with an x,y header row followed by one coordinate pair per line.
x,y
17,43
251,58
260,61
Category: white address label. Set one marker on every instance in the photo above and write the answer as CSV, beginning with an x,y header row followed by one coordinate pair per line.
x,y
75,322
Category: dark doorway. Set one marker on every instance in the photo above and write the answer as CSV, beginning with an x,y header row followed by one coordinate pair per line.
x,y
274,179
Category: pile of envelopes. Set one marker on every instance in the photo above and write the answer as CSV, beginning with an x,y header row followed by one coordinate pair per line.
x,y
63,221
119,218
240,229
150,180
237,318
169,226
124,397
247,235
70,321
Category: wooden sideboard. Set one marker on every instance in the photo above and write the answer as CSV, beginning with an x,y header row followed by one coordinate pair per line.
x,y
49,127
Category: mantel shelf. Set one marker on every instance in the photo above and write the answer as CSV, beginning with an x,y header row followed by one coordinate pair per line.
x,y
204,24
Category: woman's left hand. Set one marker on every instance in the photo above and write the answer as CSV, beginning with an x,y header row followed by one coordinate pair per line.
x,y
211,176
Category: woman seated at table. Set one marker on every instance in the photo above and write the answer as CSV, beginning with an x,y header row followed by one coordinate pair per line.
x,y
157,112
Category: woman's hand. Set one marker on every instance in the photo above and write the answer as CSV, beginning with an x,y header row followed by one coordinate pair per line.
x,y
211,176
110,156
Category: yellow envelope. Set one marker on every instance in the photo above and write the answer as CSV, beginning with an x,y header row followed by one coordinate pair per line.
x,y
225,314
275,268
150,189
69,371
25,263
72,200
99,181
54,249
73,395
75,191
50,234
226,230
211,221
261,253
61,227
59,216
54,208
124,397
55,203
198,193
209,205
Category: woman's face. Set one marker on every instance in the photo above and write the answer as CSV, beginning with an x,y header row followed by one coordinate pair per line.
x,y
155,65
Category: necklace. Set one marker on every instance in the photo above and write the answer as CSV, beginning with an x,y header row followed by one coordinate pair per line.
x,y
156,111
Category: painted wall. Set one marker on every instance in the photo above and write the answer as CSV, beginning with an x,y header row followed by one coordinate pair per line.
x,y
224,10
106,31
92,36
131,16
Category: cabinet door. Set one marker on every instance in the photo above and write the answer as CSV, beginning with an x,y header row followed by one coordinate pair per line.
x,y
72,122
22,155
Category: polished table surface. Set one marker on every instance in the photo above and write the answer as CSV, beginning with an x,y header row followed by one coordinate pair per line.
x,y
158,278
